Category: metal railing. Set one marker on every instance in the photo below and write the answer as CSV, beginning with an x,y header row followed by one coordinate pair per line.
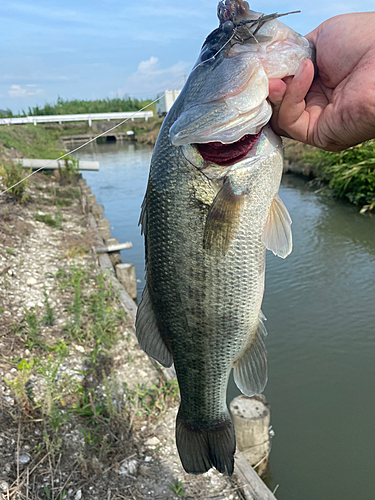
x,y
90,117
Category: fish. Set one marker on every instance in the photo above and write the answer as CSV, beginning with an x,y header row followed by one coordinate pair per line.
x,y
210,211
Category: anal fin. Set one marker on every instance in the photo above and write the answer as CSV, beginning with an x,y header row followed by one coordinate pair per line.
x,y
277,235
250,370
148,334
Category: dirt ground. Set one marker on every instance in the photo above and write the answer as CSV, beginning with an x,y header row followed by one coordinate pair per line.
x,y
84,413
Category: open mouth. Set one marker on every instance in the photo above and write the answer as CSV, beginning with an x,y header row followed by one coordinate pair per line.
x,y
227,154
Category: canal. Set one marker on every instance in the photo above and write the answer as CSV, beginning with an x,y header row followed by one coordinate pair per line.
x,y
320,308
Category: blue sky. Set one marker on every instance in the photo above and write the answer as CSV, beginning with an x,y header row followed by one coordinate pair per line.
x,y
96,49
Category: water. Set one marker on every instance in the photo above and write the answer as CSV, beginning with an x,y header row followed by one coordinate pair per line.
x,y
120,186
320,308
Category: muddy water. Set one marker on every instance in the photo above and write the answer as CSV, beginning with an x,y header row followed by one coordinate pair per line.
x,y
321,315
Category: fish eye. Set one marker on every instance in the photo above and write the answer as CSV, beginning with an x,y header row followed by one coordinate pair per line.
x,y
227,27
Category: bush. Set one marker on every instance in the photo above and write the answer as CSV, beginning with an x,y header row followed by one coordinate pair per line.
x,y
12,174
350,173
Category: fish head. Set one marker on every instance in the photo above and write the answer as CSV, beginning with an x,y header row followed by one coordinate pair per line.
x,y
223,106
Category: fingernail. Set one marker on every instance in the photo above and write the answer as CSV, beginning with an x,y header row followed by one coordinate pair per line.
x,y
300,69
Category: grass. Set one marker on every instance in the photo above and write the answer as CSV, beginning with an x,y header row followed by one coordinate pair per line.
x,y
44,140
49,317
33,142
350,174
52,221
12,173
177,489
96,321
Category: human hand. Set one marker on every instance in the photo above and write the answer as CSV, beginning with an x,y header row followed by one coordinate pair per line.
x,y
336,109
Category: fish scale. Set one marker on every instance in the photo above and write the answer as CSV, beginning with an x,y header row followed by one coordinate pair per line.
x,y
206,231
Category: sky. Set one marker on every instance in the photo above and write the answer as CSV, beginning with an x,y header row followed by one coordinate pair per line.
x,y
96,49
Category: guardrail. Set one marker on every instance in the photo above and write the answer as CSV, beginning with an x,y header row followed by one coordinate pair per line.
x,y
90,117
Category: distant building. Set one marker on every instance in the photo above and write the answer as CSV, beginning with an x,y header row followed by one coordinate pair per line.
x,y
166,102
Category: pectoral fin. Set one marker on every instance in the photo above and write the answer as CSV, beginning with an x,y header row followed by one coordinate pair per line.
x,y
277,235
222,219
143,217
250,370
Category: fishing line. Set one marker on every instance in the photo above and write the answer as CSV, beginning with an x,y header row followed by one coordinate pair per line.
x,y
109,130
260,20
82,146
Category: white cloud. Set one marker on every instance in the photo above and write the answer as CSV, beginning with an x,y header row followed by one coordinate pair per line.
x,y
148,66
24,91
151,79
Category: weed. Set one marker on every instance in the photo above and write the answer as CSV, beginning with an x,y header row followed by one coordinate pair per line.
x,y
49,317
91,436
75,327
10,251
18,384
350,173
177,489
12,173
31,330
152,401
70,171
49,220
60,349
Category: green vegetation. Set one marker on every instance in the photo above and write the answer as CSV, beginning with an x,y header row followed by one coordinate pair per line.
x,y
177,489
44,140
12,173
49,317
72,399
350,173
64,397
33,142
77,106
52,221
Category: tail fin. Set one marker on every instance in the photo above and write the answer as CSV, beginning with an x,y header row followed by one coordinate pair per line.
x,y
203,448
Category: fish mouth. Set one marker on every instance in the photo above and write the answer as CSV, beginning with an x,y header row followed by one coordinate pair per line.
x,y
227,154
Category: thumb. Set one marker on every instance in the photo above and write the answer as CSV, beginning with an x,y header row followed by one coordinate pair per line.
x,y
290,115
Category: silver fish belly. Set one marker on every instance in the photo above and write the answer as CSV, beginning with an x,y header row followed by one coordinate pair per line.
x,y
207,226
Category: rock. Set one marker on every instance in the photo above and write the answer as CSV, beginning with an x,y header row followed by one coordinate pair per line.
x,y
4,485
78,495
24,458
154,441
31,281
129,467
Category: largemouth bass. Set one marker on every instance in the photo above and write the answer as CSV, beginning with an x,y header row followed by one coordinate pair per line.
x,y
210,211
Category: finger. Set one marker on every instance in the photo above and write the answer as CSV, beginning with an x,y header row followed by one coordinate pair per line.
x,y
277,90
292,115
